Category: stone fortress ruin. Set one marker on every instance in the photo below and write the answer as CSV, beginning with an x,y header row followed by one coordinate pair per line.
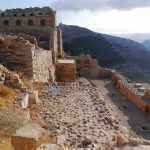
x,y
33,21
29,31
70,113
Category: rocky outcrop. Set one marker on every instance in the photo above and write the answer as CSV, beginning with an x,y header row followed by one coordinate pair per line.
x,y
10,79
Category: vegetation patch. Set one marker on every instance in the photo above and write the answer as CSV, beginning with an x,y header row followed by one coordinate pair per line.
x,y
10,121
7,96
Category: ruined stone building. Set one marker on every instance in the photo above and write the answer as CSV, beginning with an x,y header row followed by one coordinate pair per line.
x,y
39,22
89,67
31,42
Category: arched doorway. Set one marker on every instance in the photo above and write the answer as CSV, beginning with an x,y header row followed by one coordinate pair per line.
x,y
146,110
30,22
6,22
18,23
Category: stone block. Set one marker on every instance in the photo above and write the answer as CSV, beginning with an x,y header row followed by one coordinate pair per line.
x,y
66,71
29,137
33,97
25,100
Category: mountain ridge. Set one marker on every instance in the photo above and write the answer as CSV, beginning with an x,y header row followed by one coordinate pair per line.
x,y
110,51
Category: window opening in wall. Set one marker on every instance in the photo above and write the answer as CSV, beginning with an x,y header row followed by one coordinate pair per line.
x,y
18,22
31,14
40,14
30,22
15,15
23,15
43,22
6,22
2,15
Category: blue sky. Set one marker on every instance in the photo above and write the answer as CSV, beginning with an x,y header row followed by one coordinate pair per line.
x,y
105,16
24,3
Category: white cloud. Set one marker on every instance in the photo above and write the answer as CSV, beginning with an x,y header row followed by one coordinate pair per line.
x,y
133,21
79,5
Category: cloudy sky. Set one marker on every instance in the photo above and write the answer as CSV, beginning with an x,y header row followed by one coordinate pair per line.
x,y
106,16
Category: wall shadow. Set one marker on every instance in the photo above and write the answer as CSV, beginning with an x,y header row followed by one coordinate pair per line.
x,y
135,117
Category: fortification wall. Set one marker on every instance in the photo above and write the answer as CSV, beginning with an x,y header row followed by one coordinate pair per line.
x,y
131,95
19,54
32,21
139,101
104,73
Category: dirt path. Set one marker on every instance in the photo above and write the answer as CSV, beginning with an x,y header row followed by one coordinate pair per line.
x,y
123,109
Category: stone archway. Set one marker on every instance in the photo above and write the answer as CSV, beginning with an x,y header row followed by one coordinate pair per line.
x,y
146,110
18,23
6,22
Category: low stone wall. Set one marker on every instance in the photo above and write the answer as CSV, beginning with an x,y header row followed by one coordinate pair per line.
x,y
65,71
104,73
131,95
137,100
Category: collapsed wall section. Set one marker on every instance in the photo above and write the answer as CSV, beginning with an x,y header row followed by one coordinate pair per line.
x,y
16,54
43,69
20,55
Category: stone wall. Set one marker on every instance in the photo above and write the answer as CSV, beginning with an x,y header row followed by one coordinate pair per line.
x,y
140,102
19,54
131,95
66,71
43,68
147,93
88,67
32,21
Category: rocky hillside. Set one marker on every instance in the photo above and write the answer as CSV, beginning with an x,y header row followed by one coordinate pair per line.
x,y
109,50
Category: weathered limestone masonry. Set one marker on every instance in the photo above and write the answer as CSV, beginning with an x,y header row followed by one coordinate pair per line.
x,y
139,99
22,52
88,67
39,22
66,71
18,53
29,21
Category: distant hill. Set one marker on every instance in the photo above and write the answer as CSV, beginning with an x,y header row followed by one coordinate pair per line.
x,y
123,41
79,40
109,50
147,44
138,37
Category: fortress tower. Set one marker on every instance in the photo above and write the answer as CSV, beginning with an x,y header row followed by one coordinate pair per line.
x,y
38,22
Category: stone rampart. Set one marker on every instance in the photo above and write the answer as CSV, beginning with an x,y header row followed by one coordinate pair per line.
x,y
19,54
139,101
